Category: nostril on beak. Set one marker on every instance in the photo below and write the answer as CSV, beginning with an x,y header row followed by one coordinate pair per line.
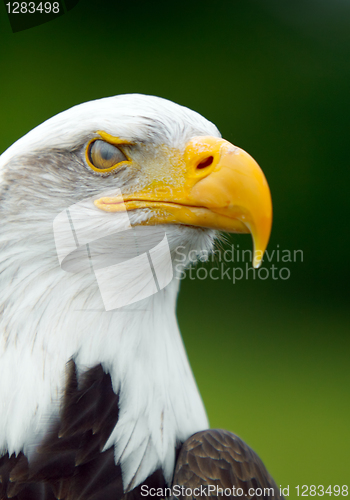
x,y
206,162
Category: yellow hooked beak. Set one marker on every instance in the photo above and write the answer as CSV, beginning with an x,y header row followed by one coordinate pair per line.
x,y
216,185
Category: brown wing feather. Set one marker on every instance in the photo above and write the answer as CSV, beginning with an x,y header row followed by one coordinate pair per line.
x,y
219,458
70,464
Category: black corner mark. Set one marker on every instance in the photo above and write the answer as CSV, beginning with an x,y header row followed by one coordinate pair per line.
x,y
28,14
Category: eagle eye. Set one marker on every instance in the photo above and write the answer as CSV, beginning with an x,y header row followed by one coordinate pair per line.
x,y
103,155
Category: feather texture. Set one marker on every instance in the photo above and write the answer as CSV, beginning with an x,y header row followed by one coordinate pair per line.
x,y
222,460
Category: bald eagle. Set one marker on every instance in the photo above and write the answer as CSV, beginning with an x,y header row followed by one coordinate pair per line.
x,y
97,397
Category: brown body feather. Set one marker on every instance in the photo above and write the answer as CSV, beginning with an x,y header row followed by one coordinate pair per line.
x,y
219,458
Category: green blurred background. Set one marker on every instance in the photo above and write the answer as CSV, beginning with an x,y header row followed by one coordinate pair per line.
x,y
271,357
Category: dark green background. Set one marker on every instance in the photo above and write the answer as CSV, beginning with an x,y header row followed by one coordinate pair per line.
x,y
271,357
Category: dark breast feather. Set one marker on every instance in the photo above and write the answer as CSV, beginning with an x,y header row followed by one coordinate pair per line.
x,y
70,464
219,458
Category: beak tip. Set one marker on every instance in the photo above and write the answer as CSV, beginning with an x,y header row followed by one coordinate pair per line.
x,y
257,262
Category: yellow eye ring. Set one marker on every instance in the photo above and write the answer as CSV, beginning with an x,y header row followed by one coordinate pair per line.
x,y
103,156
